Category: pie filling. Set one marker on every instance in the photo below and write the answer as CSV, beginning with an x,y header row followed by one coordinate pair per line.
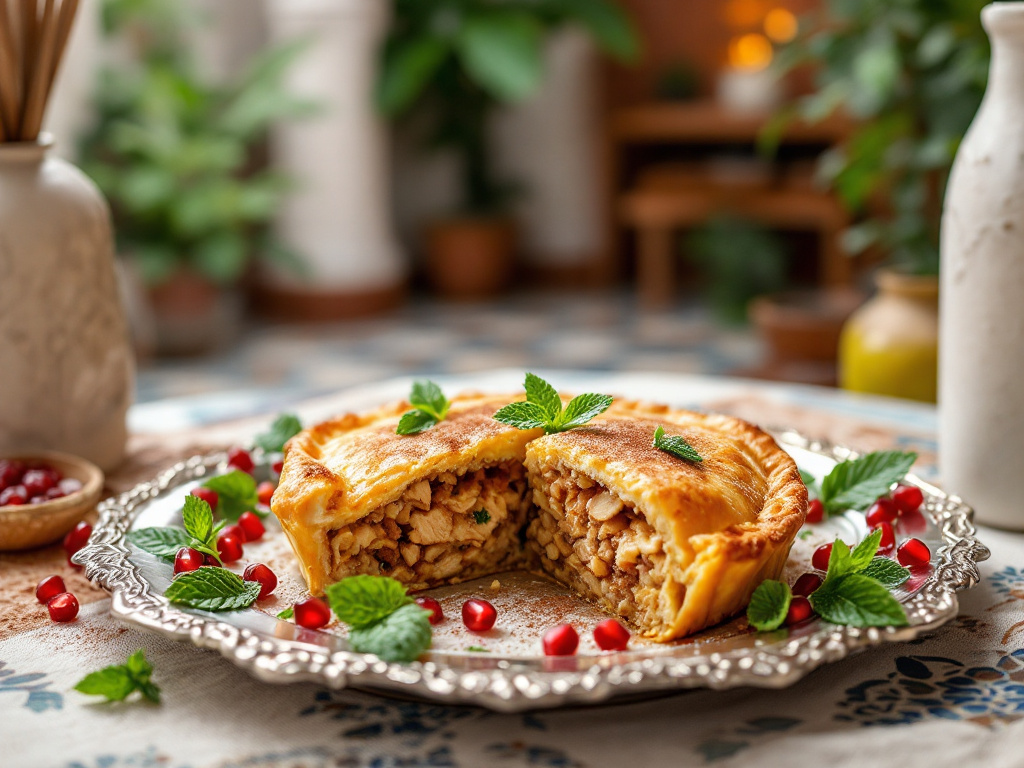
x,y
587,537
454,526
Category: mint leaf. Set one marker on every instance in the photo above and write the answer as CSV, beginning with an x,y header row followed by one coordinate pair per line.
x,y
117,682
427,396
522,416
477,649
582,409
400,636
360,601
236,493
838,559
198,518
857,483
285,427
813,488
482,516
769,605
162,542
287,613
857,600
862,554
212,589
886,572
544,395
675,445
415,421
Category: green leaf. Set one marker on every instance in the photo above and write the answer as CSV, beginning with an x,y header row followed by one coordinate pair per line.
x,y
151,691
541,393
838,560
482,516
162,542
405,72
198,518
808,478
236,493
415,421
115,683
886,572
477,649
501,51
285,427
138,667
221,257
769,605
360,601
857,600
400,636
287,613
857,483
862,554
675,445
582,409
522,416
212,589
608,24
427,396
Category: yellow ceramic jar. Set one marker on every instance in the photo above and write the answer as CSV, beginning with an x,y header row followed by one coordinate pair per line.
x,y
890,345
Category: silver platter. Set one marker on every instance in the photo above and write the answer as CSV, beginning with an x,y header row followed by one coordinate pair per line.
x,y
513,675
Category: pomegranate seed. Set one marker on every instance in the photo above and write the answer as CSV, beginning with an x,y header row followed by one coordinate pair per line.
x,y
264,491
259,572
235,530
63,607
815,511
312,613
436,614
561,641
820,557
53,493
38,481
69,485
206,494
229,548
478,615
882,511
799,610
611,636
806,584
211,561
913,552
77,538
908,498
11,471
188,559
239,458
252,525
14,496
888,540
277,466
49,587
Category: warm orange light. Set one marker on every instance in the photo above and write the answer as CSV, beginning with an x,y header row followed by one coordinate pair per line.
x,y
780,25
750,52
744,14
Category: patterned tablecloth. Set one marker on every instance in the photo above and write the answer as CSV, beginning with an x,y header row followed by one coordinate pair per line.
x,y
954,698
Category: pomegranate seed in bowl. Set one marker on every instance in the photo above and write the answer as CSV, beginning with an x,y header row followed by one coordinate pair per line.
x,y
888,540
561,641
882,511
478,615
38,481
908,498
188,559
913,552
14,496
436,614
239,458
611,636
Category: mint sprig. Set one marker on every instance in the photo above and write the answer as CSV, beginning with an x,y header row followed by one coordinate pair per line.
x,y
160,541
236,493
383,619
675,445
198,519
117,682
543,408
482,517
857,483
285,427
287,613
212,589
769,605
430,407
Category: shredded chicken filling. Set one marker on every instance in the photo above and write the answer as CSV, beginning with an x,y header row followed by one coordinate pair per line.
x,y
589,538
448,528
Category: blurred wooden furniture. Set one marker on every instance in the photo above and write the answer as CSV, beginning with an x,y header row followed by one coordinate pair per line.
x,y
655,198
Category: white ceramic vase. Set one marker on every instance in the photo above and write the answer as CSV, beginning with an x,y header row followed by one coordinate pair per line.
x,y
981,356
66,375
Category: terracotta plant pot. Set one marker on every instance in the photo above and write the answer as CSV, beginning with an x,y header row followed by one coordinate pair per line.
x,y
890,345
801,332
192,316
470,258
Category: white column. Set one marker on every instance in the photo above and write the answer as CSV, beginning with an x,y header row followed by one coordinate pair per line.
x,y
339,219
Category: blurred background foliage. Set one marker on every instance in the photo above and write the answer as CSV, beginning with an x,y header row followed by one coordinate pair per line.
x,y
913,73
178,156
457,60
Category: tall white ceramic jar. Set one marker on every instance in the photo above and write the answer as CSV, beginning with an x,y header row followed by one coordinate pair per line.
x,y
981,357
66,365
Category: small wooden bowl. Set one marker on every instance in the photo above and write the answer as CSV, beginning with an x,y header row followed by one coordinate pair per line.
x,y
33,525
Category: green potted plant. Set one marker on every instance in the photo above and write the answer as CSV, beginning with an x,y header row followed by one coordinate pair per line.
x,y
178,158
454,62
912,75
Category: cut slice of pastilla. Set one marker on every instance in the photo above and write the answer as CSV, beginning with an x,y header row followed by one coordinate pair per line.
x,y
432,508
671,545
